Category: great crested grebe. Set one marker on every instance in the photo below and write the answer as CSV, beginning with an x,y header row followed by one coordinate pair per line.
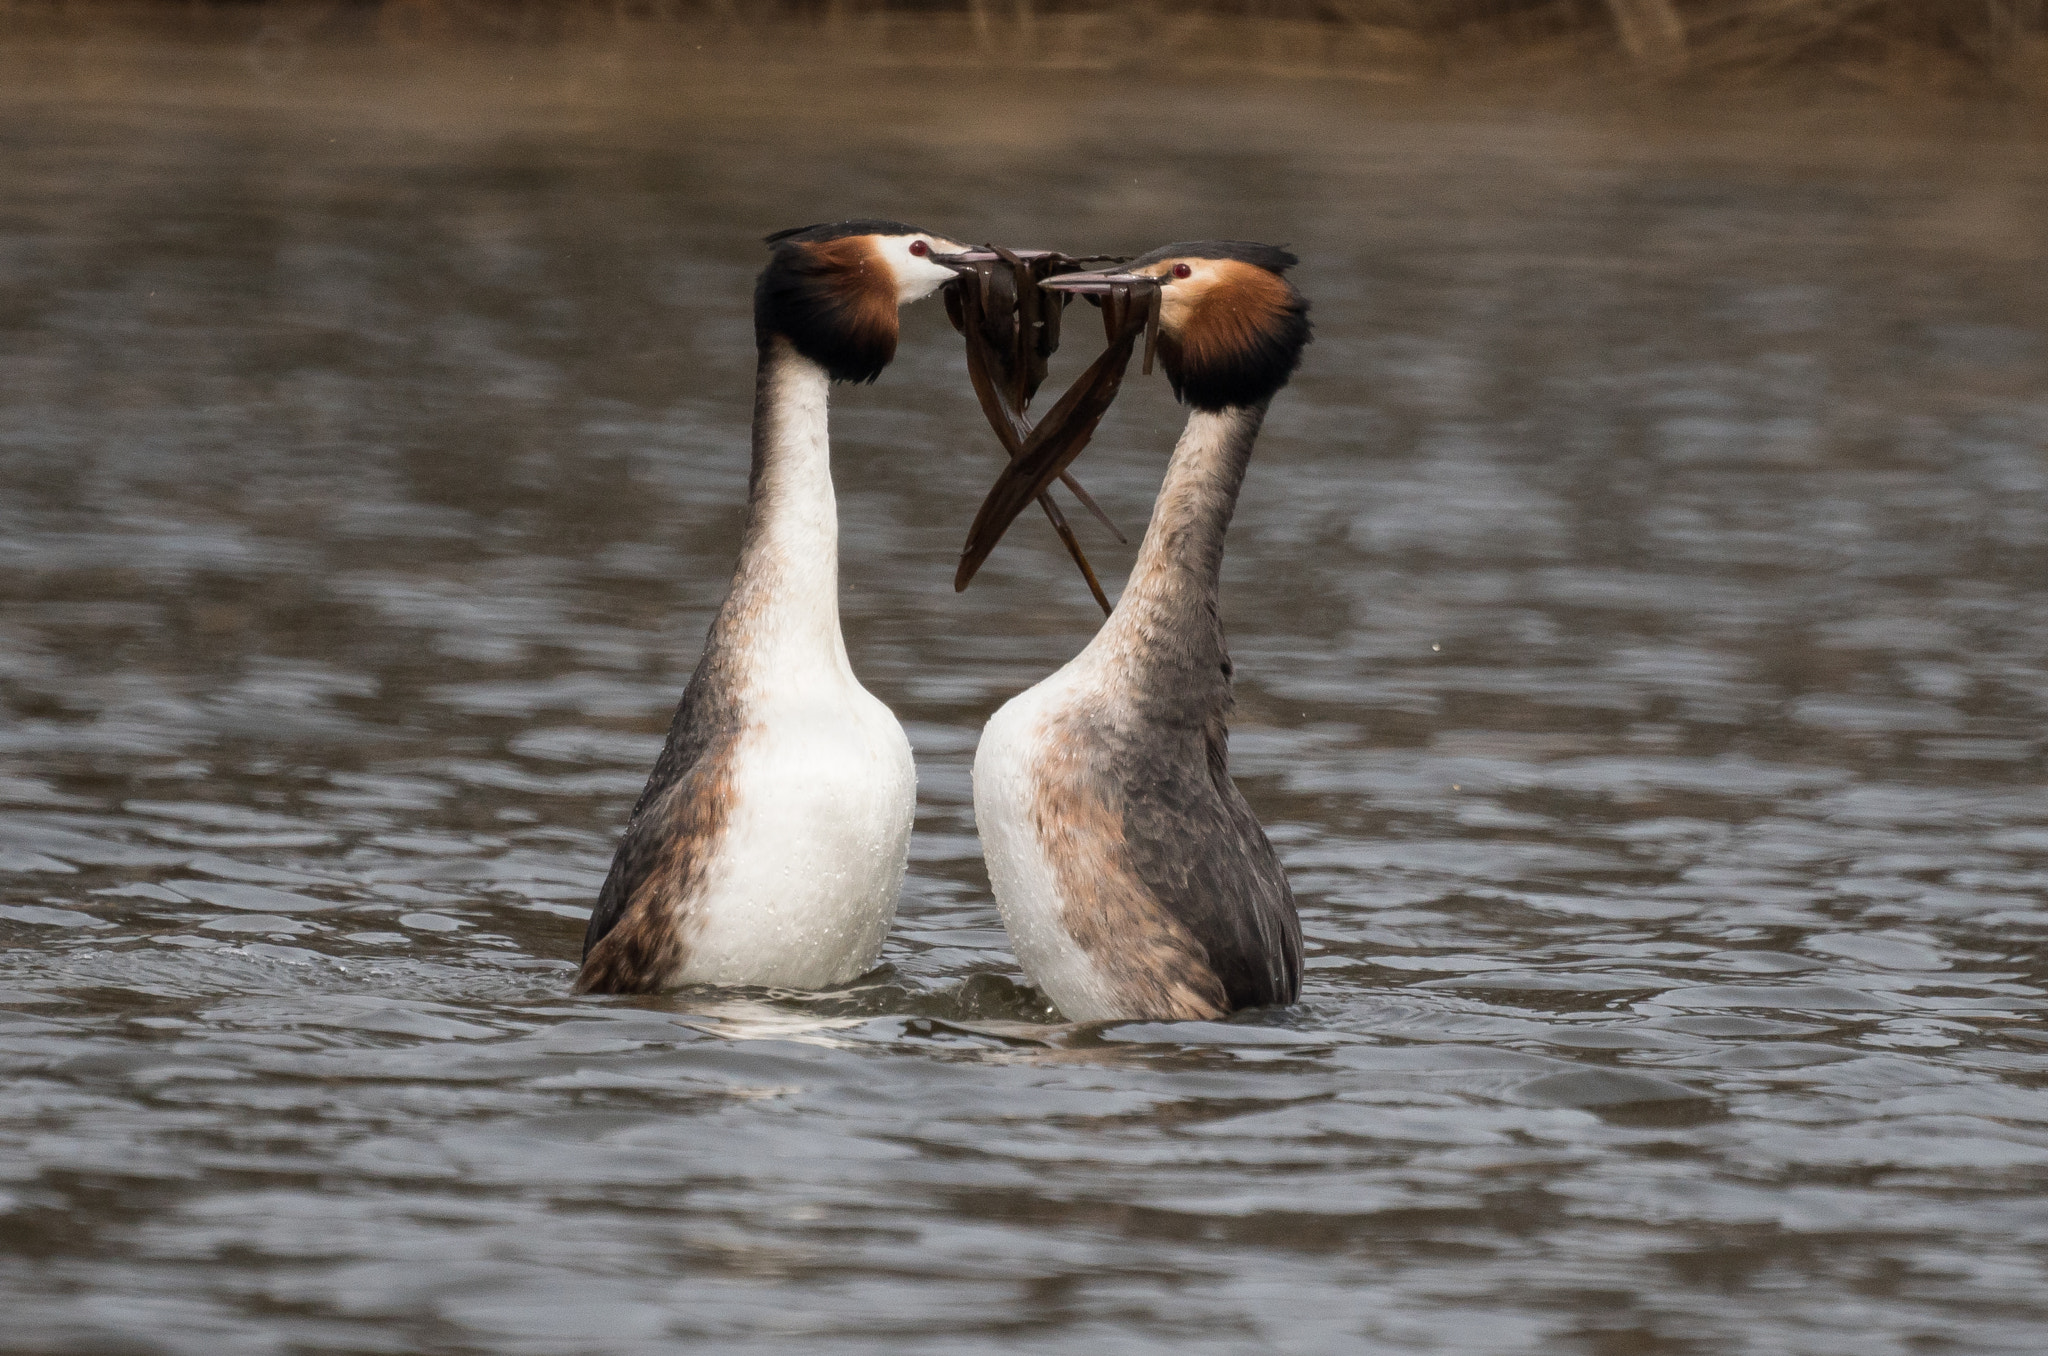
x,y
1133,878
770,842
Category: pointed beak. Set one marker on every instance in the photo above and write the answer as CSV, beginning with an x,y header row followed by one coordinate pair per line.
x,y
1097,284
963,263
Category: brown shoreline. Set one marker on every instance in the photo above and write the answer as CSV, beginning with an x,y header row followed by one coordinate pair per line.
x,y
1890,47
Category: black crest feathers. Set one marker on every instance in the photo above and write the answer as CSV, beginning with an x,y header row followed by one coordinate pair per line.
x,y
835,230
1272,258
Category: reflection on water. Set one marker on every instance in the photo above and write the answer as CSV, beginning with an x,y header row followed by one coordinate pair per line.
x,y
1637,602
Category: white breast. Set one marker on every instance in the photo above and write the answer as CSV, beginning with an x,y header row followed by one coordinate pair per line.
x,y
804,886
1009,778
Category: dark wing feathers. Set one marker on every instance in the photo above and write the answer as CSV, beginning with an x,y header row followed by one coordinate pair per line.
x,y
1193,842
705,722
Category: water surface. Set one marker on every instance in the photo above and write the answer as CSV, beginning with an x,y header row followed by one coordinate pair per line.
x,y
1637,605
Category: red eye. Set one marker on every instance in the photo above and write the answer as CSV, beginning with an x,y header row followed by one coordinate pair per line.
x,y
1182,271
919,248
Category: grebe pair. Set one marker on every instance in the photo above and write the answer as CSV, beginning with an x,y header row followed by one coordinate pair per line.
x,y
772,837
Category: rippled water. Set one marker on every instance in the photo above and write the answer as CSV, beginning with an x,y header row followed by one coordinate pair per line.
x,y
1638,605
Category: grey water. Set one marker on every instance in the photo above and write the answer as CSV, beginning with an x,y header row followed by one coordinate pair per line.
x,y
1638,610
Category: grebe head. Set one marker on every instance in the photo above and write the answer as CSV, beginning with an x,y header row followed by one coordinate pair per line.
x,y
832,290
1231,327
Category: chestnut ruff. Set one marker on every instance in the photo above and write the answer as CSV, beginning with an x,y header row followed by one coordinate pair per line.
x,y
1246,324
834,299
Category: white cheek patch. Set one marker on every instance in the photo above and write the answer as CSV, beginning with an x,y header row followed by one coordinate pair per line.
x,y
1179,297
916,275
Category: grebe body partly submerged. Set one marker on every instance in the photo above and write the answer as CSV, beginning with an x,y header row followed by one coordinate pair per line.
x,y
1133,878
770,842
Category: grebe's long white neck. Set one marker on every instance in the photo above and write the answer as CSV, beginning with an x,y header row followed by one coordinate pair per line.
x,y
782,616
1166,626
